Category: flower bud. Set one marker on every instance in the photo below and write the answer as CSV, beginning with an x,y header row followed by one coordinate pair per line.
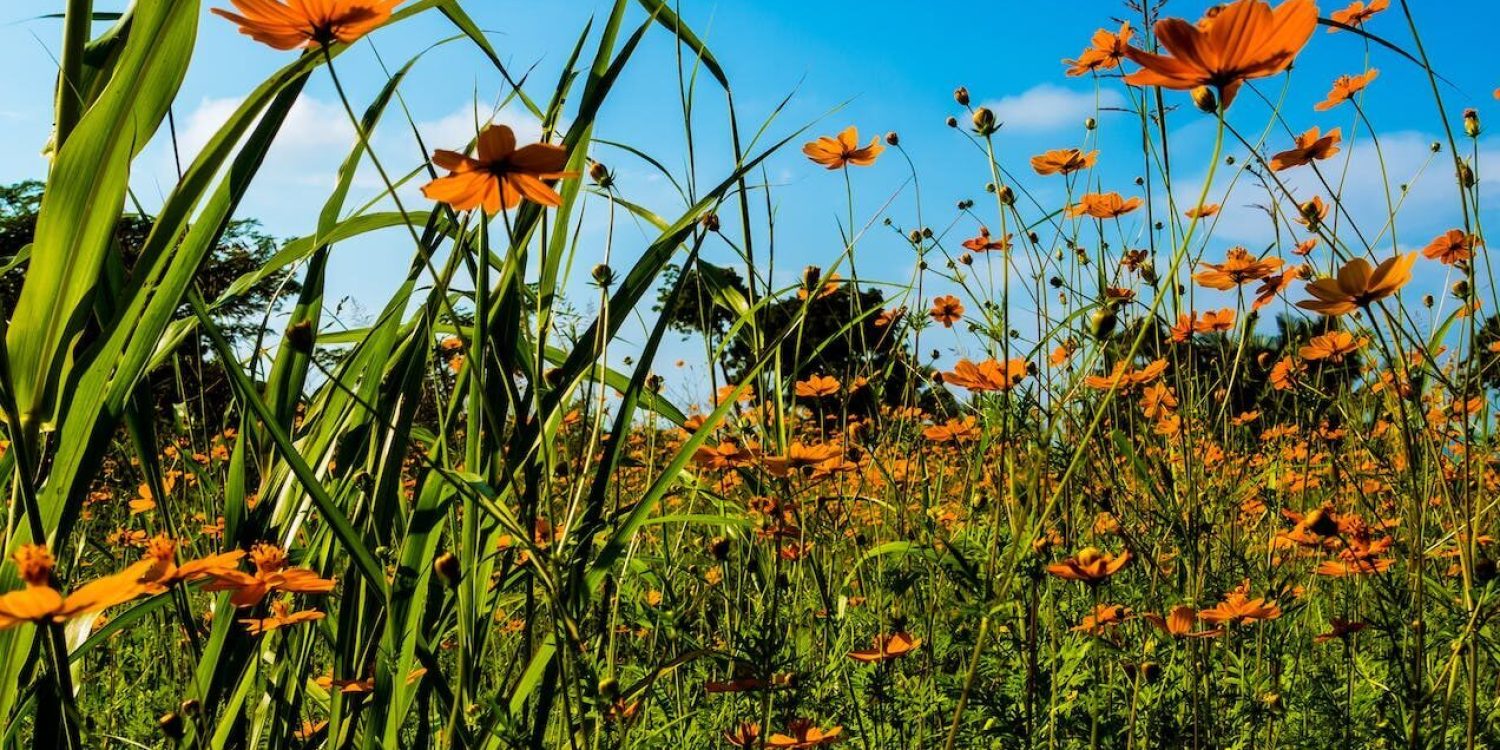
x,y
1471,123
1103,323
710,222
1007,196
1090,124
603,275
984,121
447,569
1460,289
961,95
171,725
301,336
600,174
892,139
952,121
1204,99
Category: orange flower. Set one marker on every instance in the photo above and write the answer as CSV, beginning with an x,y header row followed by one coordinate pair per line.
x,y
1061,354
1359,566
1063,161
1239,267
39,602
815,460
1182,331
160,569
1304,247
1238,607
1243,41
1311,145
887,648
1357,13
1284,373
983,243
1104,53
1332,346
1104,616
1357,285
289,24
988,375
271,574
817,386
1201,212
843,150
745,735
947,310
1311,213
1344,89
1158,401
281,616
1179,623
501,175
1451,247
953,431
803,733
1090,565
1103,206
1215,322
1125,378
1274,285
1341,628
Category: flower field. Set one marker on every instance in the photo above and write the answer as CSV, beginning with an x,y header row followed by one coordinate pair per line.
x,y
1178,432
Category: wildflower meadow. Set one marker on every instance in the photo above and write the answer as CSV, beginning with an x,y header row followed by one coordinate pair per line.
x,y
635,407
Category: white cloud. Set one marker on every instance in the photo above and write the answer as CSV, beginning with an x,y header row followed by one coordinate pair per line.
x,y
1044,107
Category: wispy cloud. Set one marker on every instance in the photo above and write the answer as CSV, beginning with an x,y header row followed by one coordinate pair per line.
x,y
1045,107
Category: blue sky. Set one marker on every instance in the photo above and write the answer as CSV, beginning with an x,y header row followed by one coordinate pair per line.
x,y
884,64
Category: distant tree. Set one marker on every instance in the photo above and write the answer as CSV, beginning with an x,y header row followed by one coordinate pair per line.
x,y
827,340
192,381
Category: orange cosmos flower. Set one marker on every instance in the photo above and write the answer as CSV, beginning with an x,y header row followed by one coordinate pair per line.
x,y
803,733
271,574
1090,565
1357,566
1061,354
1311,145
745,735
1238,607
289,24
1103,206
1239,267
817,460
953,431
1311,213
886,648
1105,51
1182,331
1201,212
1179,623
1357,285
1125,378
39,602
1215,322
1451,247
817,386
1274,285
1357,13
1158,401
1332,346
1244,40
159,569
1103,617
947,310
1341,628
983,243
1344,89
501,175
988,375
1063,161
843,150
281,616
